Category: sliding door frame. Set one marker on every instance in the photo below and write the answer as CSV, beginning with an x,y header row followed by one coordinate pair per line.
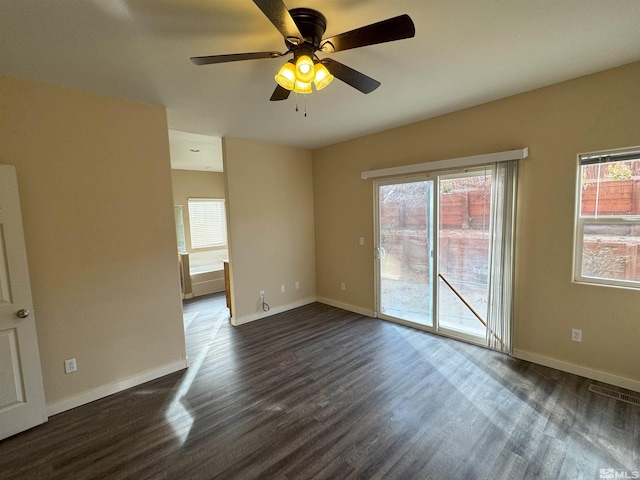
x,y
377,183
434,241
452,175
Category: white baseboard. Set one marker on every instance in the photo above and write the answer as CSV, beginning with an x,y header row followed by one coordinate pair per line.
x,y
347,306
591,373
207,287
272,311
106,390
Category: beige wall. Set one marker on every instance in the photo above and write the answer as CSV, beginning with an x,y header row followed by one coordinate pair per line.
x,y
95,189
592,113
193,184
96,196
271,226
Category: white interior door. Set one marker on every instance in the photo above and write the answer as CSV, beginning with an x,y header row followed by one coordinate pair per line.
x,y
22,403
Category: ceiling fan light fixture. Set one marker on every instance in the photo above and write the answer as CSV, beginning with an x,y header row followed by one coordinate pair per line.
x,y
302,87
304,69
303,31
323,76
286,77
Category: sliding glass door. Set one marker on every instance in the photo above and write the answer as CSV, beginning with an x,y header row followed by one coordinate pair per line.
x,y
405,250
463,253
444,252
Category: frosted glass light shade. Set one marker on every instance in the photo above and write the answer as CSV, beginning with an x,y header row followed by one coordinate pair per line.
x,y
286,77
302,87
323,76
304,69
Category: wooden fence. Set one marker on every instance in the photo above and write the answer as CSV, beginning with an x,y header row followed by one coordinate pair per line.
x,y
464,221
614,197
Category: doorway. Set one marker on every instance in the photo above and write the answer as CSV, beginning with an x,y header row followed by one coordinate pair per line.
x,y
443,257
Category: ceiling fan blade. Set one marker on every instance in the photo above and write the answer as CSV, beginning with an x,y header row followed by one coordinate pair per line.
x,y
280,93
277,12
352,77
395,28
234,57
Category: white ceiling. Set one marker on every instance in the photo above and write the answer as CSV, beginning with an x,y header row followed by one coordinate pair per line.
x,y
465,52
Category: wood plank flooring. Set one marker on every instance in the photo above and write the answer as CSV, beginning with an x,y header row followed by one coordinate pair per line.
x,y
320,393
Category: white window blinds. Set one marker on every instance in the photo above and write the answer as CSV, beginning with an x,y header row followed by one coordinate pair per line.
x,y
207,222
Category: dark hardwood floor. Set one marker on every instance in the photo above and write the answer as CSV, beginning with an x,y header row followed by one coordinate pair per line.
x,y
318,392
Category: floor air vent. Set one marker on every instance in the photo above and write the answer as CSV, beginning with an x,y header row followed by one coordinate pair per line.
x,y
608,392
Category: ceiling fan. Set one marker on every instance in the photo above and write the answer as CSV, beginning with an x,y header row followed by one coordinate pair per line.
x,y
302,29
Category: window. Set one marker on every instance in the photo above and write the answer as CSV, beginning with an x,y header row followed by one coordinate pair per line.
x,y
608,219
207,222
182,244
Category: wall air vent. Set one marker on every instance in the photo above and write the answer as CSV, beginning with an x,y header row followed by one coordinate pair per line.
x,y
608,392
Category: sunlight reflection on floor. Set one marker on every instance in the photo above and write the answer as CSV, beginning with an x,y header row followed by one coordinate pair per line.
x,y
179,417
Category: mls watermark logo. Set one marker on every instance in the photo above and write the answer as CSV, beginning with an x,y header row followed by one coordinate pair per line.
x,y
619,473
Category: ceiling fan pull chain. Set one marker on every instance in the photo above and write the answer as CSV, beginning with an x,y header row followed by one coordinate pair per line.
x,y
304,104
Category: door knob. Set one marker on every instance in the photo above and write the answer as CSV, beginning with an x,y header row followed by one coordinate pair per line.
x,y
24,313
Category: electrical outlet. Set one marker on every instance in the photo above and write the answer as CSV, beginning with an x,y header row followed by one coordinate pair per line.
x,y
297,285
70,365
361,240
576,335
343,287
261,294
282,289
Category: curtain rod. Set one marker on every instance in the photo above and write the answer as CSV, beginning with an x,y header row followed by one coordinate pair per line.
x,y
473,160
